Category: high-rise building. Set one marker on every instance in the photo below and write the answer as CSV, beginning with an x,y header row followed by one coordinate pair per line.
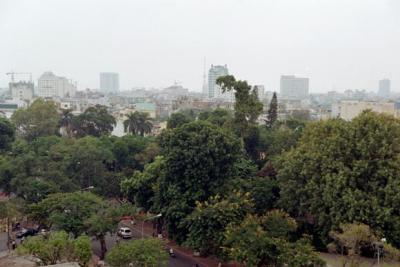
x,y
50,85
293,87
260,90
214,90
109,82
384,88
22,90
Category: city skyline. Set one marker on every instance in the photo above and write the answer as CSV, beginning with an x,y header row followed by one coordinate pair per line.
x,y
353,45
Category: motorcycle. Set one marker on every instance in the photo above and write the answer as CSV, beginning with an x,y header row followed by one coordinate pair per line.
x,y
171,253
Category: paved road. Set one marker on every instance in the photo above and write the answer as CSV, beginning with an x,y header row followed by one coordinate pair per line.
x,y
179,261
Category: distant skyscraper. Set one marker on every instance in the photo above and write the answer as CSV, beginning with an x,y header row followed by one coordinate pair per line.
x,y
109,82
50,85
214,90
294,87
260,90
384,88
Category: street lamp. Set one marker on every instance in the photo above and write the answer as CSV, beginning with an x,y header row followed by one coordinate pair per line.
x,y
148,219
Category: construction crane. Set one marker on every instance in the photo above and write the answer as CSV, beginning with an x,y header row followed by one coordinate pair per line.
x,y
12,74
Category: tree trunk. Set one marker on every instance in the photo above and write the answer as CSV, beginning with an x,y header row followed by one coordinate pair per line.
x,y
103,247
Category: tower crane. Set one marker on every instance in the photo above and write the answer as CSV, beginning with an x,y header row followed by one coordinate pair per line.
x,y
12,74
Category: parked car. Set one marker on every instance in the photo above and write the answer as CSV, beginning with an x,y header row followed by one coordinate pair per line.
x,y
26,232
125,232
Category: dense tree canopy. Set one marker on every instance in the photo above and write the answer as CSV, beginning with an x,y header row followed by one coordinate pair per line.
x,y
199,158
343,172
39,119
7,133
95,121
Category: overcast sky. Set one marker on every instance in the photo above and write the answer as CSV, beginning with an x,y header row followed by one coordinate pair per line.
x,y
338,44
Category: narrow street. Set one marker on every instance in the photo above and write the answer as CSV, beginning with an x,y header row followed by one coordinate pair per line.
x,y
180,259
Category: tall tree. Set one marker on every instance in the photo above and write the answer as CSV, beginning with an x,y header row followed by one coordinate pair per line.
x,y
39,119
178,119
66,119
272,114
138,123
341,172
95,121
247,105
7,133
199,158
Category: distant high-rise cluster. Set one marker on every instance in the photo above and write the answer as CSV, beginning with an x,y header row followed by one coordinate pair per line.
x,y
50,85
384,88
293,87
109,82
214,90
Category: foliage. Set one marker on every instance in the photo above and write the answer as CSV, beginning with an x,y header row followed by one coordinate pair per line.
x,y
253,243
147,252
343,172
140,188
208,221
39,119
7,133
219,117
199,158
178,119
94,121
272,114
138,123
82,250
57,247
247,106
67,211
352,238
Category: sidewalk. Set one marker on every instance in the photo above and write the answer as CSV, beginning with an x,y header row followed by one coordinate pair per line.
x,y
188,253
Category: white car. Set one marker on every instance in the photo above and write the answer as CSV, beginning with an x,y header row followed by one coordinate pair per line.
x,y
125,232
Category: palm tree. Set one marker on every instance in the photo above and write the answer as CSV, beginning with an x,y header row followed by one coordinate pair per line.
x,y
138,123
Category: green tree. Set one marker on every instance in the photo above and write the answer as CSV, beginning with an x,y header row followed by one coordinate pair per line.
x,y
57,246
67,211
199,158
272,114
178,119
344,172
219,117
147,252
255,242
140,188
138,123
209,219
95,121
7,133
39,119
247,106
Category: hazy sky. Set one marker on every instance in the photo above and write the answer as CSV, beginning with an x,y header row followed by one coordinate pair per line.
x,y
338,44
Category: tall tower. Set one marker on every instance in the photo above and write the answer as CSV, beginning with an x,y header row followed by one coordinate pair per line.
x,y
205,87
384,88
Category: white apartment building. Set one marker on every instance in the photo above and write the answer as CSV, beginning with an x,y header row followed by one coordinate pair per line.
x,y
214,90
292,87
50,85
348,110
109,82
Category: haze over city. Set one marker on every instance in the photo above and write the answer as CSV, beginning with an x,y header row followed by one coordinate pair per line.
x,y
338,44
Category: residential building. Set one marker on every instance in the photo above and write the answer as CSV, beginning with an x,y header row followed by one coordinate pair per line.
x,y
50,85
350,109
293,87
22,90
384,88
109,82
214,90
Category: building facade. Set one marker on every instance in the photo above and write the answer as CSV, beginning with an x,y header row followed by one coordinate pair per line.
x,y
348,110
51,85
293,87
214,90
384,88
109,82
22,90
